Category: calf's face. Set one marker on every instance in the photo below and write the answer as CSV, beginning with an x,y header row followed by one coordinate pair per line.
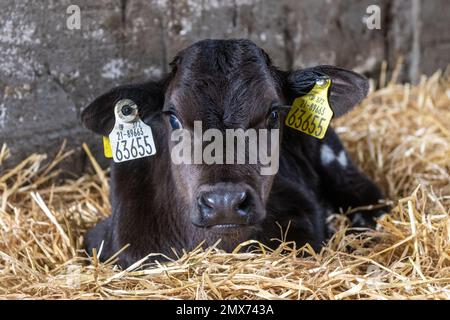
x,y
223,85
224,88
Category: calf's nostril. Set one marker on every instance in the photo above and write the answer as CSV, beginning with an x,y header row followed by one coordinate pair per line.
x,y
241,196
243,207
239,200
208,200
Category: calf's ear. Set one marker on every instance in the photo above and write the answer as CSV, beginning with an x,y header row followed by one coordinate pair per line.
x,y
347,87
98,116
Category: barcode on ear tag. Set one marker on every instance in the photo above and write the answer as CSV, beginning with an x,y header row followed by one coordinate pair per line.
x,y
311,113
107,148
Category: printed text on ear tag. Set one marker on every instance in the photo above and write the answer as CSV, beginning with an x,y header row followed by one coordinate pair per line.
x,y
130,138
311,113
107,148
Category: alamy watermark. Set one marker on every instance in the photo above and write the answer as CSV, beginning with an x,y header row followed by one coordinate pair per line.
x,y
74,19
234,146
373,18
73,278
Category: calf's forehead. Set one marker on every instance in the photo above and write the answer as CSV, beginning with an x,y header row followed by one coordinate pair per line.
x,y
222,82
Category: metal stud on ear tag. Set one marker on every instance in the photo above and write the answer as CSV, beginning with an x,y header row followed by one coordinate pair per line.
x,y
130,138
311,113
126,110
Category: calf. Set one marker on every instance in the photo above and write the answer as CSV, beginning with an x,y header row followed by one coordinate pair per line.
x,y
158,205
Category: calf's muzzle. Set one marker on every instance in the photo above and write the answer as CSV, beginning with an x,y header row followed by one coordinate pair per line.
x,y
225,207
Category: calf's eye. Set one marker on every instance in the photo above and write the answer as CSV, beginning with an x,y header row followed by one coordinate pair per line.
x,y
273,120
174,122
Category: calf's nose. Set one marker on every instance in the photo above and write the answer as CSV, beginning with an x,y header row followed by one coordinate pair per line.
x,y
224,207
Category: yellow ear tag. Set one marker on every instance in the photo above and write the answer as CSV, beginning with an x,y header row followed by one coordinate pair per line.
x,y
107,151
312,113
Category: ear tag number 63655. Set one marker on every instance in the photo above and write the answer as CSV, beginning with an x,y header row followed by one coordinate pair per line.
x,y
311,113
130,138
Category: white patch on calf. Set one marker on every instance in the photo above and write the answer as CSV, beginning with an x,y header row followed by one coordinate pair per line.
x,y
327,155
342,159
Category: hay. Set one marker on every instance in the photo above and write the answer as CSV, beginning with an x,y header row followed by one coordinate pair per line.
x,y
399,136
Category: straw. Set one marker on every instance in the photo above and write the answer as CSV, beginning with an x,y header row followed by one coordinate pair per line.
x,y
399,136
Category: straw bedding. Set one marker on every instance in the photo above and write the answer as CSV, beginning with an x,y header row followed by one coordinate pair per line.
x,y
400,136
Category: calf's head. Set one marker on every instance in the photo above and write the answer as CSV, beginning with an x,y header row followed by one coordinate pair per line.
x,y
224,84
